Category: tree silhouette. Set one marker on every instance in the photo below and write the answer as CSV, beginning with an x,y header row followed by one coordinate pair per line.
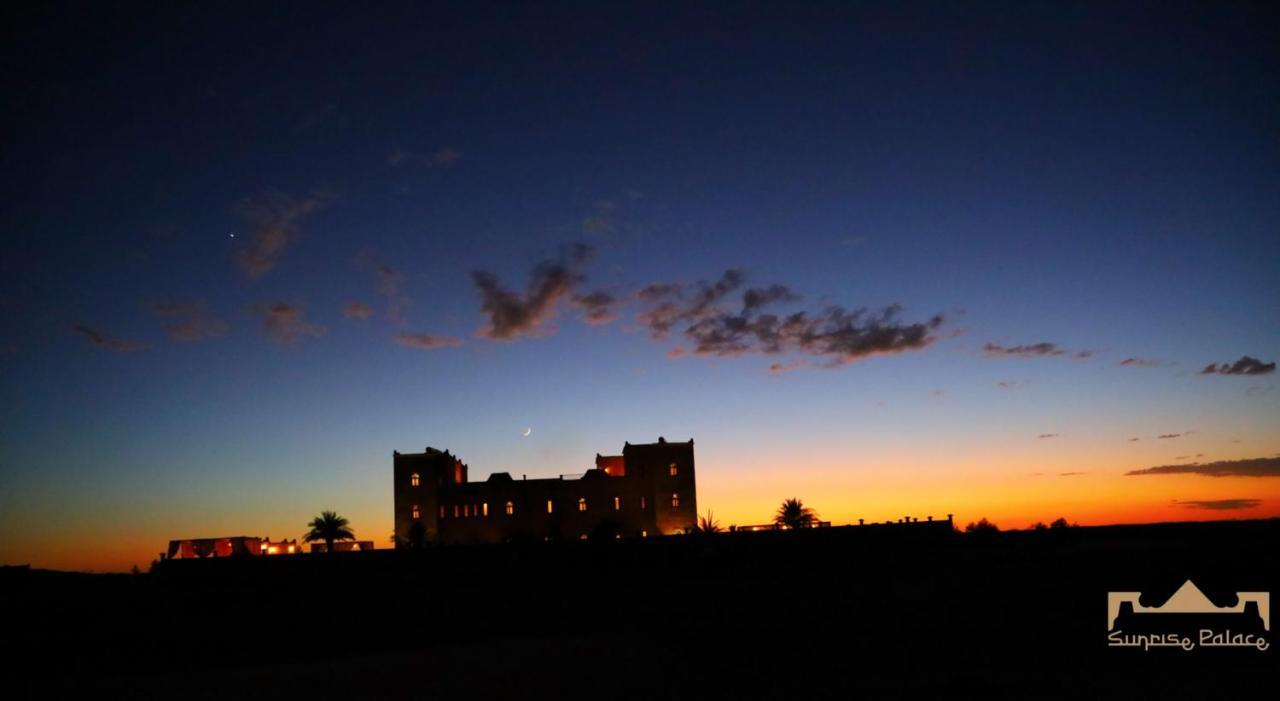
x,y
794,514
982,527
708,524
1060,523
329,527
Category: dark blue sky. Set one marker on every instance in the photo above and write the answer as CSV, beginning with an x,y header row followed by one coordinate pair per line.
x,y
241,246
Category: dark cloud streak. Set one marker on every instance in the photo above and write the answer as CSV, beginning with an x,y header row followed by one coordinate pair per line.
x,y
1255,467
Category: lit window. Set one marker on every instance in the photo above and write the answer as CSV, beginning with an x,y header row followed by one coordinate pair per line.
x,y
456,511
414,479
673,469
675,501
457,472
485,507
511,508
617,503
582,504
548,506
644,534
643,503
290,548
416,513
475,509
466,509
441,511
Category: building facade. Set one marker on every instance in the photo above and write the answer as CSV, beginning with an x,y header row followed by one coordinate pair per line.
x,y
648,490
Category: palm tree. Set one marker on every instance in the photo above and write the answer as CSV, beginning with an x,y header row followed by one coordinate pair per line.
x,y
328,526
794,514
707,525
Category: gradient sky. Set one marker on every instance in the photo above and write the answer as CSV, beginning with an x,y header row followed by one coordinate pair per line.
x,y
241,251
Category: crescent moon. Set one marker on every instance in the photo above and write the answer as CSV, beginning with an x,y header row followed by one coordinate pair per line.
x,y
527,431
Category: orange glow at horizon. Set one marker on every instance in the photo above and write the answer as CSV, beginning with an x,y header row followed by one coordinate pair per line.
x,y
746,489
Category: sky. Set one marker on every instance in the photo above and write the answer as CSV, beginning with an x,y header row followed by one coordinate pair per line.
x,y
1015,261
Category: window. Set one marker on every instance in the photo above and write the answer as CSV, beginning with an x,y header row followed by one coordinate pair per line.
x,y
456,511
475,509
457,472
511,508
643,503
582,504
644,534
485,508
414,480
466,510
442,511
675,501
617,503
673,469
549,506
415,512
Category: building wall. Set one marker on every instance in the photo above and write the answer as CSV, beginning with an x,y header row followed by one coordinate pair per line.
x,y
628,495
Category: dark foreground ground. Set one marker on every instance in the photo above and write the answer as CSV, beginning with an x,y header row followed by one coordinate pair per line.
x,y
835,613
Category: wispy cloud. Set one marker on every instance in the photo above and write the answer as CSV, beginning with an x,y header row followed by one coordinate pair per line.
x,y
597,307
1220,504
191,321
1142,363
284,323
107,341
1043,436
274,221
1246,365
1071,474
356,310
426,342
1023,351
1011,384
717,321
1254,467
1169,435
510,314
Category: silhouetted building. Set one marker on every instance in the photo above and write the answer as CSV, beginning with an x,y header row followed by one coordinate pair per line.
x,y
648,490
229,546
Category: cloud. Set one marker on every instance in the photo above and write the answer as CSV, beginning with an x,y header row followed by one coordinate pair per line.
x,y
512,315
356,310
283,323
1047,435
1142,363
598,307
1169,435
390,284
1134,439
1254,467
1244,366
425,342
109,342
716,321
1011,384
789,366
274,221
1084,354
1071,474
1024,351
390,281
192,320
1220,504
